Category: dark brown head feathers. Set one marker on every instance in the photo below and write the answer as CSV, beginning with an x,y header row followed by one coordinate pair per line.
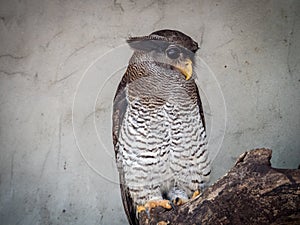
x,y
162,38
177,37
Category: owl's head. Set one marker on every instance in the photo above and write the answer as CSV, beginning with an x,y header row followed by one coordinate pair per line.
x,y
169,48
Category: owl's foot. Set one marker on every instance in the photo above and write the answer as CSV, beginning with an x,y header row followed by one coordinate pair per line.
x,y
153,204
195,194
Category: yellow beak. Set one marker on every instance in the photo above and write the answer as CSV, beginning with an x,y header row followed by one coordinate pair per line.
x,y
185,68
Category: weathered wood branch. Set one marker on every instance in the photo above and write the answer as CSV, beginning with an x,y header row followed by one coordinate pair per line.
x,y
252,192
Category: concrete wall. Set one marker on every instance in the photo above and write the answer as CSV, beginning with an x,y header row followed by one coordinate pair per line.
x,y
48,175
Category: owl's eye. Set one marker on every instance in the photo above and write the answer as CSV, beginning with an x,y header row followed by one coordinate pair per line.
x,y
173,52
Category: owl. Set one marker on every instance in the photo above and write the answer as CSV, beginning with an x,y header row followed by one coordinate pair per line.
x,y
159,133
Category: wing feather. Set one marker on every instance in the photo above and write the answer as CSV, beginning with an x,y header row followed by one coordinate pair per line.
x,y
199,103
119,109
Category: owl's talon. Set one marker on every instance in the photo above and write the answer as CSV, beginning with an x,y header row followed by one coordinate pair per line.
x,y
195,194
153,204
140,208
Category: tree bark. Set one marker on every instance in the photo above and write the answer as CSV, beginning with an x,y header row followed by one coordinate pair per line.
x,y
252,192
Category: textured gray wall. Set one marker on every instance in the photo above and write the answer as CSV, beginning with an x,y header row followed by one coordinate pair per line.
x,y
47,176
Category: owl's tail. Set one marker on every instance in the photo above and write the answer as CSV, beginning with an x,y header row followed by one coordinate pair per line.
x,y
129,206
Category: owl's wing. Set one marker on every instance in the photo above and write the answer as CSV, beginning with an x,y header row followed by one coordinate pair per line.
x,y
200,107
119,109
128,204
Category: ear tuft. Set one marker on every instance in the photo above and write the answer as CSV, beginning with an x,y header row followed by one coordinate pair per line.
x,y
147,43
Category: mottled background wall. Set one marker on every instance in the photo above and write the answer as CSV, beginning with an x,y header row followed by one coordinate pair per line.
x,y
251,47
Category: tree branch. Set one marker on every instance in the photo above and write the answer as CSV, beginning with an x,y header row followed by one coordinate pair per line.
x,y
252,192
